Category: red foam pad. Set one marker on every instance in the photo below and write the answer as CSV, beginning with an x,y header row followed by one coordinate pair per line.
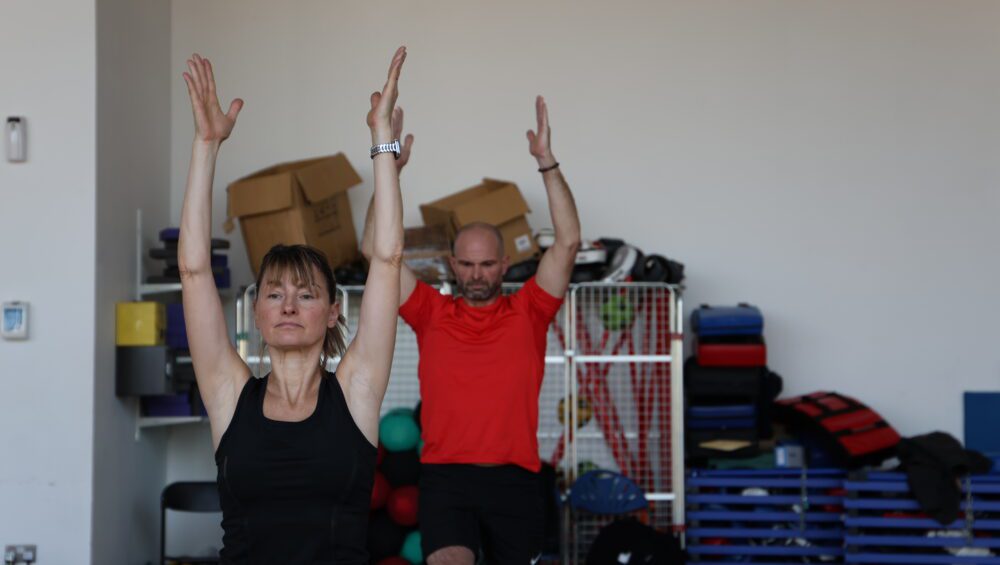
x,y
732,354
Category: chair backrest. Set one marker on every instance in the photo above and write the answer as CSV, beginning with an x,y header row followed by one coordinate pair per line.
x,y
191,496
186,496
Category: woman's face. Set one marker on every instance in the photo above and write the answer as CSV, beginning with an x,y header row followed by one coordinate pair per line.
x,y
292,314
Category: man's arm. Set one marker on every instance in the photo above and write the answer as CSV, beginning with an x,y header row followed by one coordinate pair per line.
x,y
407,280
556,266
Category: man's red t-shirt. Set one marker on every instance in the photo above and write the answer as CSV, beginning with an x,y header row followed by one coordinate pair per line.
x,y
480,374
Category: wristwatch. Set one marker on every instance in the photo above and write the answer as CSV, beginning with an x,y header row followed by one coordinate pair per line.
x,y
386,148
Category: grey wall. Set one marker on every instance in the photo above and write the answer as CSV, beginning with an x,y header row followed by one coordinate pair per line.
x,y
133,172
833,162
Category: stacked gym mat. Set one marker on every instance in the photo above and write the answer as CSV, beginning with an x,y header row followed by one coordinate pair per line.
x,y
828,516
728,387
168,254
884,523
773,516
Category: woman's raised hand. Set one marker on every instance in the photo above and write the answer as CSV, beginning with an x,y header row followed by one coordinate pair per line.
x,y
210,123
380,115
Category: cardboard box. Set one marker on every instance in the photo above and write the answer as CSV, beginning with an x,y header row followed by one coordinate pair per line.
x,y
426,251
294,203
495,202
140,323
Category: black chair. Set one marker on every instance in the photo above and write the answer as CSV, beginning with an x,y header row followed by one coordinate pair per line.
x,y
188,496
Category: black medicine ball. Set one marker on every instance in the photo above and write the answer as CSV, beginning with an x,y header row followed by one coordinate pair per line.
x,y
401,468
385,537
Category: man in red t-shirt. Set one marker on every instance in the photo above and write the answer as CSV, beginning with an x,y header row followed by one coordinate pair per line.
x,y
482,359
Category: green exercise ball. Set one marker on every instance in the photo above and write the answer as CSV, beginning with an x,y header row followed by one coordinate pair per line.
x,y
411,548
398,430
617,312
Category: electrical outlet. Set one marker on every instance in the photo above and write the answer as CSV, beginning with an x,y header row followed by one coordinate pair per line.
x,y
20,554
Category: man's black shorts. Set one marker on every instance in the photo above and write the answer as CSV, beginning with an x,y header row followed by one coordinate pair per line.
x,y
496,509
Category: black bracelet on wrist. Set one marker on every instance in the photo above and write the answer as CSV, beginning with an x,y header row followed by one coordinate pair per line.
x,y
549,168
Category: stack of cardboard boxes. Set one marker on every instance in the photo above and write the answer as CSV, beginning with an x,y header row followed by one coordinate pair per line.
x,y
492,201
305,202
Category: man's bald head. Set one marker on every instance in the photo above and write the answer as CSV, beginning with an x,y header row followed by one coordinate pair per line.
x,y
475,231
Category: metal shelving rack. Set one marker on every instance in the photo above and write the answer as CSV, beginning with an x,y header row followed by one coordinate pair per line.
x,y
142,292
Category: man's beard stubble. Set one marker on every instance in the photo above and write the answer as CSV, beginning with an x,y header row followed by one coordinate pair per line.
x,y
479,293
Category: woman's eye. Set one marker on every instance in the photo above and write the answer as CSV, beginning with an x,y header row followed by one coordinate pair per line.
x,y
274,295
305,297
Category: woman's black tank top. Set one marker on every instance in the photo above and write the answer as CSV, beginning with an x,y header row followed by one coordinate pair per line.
x,y
294,492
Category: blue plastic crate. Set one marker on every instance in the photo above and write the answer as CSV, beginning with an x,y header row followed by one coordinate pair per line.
x,y
765,516
884,523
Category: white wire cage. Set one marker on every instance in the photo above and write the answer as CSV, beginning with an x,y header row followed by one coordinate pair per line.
x,y
611,397
626,373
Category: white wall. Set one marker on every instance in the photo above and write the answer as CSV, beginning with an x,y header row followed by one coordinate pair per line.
x,y
133,171
48,205
833,162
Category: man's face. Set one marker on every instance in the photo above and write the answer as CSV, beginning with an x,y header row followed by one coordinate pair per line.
x,y
478,266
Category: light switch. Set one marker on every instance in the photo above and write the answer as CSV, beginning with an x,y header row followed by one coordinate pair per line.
x,y
15,320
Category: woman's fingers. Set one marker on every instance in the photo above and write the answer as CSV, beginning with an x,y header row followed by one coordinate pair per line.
x,y
192,91
197,107
394,70
397,63
210,75
193,70
199,67
234,109
397,122
382,102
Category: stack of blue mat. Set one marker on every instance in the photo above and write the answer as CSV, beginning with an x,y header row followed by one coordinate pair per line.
x,y
168,254
728,402
765,516
176,329
885,525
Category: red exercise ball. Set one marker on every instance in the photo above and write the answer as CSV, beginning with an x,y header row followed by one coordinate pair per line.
x,y
380,491
402,505
393,561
